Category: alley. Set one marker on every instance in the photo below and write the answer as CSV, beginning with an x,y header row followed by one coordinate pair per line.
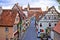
x,y
31,33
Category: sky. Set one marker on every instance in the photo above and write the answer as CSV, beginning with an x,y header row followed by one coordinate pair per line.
x,y
8,4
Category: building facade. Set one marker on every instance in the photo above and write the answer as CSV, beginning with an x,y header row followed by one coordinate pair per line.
x,y
48,20
7,18
56,30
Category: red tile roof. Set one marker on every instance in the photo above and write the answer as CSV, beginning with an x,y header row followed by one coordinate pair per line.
x,y
57,28
7,18
33,8
35,13
38,14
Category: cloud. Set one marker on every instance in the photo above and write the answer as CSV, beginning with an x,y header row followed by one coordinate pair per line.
x,y
33,3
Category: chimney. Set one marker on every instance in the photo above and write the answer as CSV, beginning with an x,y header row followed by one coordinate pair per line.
x,y
47,8
0,10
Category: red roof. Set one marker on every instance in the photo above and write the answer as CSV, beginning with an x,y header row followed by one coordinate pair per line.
x,y
33,8
57,28
7,18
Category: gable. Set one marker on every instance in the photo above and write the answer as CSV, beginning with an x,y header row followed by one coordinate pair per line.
x,y
50,14
15,7
16,19
52,10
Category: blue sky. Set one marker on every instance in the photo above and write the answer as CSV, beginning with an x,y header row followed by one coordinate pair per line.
x,y
33,3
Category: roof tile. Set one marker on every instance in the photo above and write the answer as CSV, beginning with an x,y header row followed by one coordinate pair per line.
x,y
57,28
7,17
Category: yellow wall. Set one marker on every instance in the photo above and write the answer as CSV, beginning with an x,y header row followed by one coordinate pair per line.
x,y
3,33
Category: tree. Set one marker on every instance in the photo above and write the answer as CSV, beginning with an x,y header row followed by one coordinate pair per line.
x,y
59,3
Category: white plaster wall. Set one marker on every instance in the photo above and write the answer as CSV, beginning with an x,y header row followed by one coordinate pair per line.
x,y
26,13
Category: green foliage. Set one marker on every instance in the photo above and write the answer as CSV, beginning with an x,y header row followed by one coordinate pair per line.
x,y
59,7
59,4
58,1
59,15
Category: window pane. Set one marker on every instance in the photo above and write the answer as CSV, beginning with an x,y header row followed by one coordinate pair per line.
x,y
6,29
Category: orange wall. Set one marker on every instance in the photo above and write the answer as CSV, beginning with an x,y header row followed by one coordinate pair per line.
x,y
3,33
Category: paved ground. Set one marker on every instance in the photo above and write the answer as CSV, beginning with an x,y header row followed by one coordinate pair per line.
x,y
31,33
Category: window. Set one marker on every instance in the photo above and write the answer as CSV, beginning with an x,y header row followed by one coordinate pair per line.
x,y
49,24
26,24
6,29
40,25
55,24
49,17
52,12
54,17
45,17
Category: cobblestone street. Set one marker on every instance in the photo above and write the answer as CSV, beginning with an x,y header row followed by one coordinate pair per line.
x,y
31,33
